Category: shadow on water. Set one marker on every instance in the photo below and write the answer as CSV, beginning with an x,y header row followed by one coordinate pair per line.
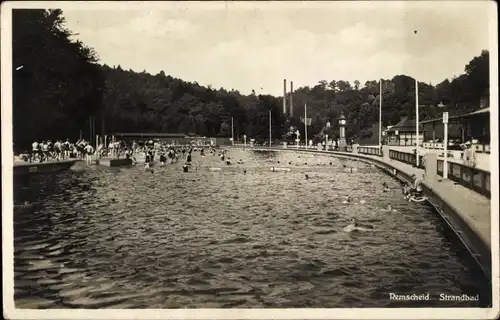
x,y
235,238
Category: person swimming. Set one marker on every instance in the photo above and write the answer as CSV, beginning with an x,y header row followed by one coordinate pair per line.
x,y
240,161
307,176
348,199
385,186
389,208
355,226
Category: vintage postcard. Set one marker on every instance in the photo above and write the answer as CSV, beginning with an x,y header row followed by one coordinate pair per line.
x,y
250,160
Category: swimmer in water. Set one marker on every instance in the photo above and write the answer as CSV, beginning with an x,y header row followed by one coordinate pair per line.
x,y
244,172
389,208
240,161
348,199
355,226
385,186
307,176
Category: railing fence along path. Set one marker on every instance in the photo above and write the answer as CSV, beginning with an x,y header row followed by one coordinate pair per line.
x,y
408,158
471,178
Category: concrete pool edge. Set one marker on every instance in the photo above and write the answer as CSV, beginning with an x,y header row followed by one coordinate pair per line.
x,y
42,168
455,219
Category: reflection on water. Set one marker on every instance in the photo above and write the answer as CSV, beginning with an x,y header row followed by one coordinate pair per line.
x,y
126,238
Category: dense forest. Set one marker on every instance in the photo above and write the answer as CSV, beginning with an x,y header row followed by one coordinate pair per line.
x,y
58,85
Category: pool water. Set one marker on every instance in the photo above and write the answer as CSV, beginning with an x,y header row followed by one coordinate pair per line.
x,y
241,237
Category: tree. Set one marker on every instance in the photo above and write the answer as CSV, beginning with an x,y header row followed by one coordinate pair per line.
x,y
59,85
357,85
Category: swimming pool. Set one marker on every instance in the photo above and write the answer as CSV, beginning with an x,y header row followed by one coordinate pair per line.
x,y
239,237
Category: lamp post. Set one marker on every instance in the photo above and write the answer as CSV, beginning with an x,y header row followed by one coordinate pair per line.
x,y
445,160
270,132
342,142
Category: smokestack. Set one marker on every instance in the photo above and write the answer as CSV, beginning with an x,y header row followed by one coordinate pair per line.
x,y
291,98
284,96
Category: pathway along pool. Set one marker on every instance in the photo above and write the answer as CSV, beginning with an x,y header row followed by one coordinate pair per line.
x,y
125,238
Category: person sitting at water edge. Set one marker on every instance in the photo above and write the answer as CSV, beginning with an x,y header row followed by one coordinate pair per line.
x,y
416,189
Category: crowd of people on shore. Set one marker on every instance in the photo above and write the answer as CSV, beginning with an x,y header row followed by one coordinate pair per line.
x,y
45,151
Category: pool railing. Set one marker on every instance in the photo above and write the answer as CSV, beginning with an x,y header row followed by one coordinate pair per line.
x,y
469,177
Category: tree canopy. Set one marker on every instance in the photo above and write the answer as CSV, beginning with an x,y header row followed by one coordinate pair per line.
x,y
57,83
60,85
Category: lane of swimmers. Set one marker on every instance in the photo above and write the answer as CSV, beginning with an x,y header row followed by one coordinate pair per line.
x,y
412,191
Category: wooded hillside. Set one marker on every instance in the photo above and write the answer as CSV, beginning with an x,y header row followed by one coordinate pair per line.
x,y
58,85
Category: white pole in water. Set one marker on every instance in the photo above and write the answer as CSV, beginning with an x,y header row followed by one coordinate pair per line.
x,y
113,142
232,130
305,122
96,143
380,118
445,161
269,128
417,160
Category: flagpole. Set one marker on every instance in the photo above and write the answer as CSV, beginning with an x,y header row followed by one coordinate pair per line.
x,y
232,130
380,119
305,121
417,162
269,127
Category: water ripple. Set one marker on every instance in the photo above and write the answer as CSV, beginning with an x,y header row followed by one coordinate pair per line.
x,y
125,238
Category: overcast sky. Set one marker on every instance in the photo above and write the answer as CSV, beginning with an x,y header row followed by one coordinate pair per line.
x,y
247,46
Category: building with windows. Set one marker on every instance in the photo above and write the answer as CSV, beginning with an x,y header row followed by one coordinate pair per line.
x,y
404,133
472,127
